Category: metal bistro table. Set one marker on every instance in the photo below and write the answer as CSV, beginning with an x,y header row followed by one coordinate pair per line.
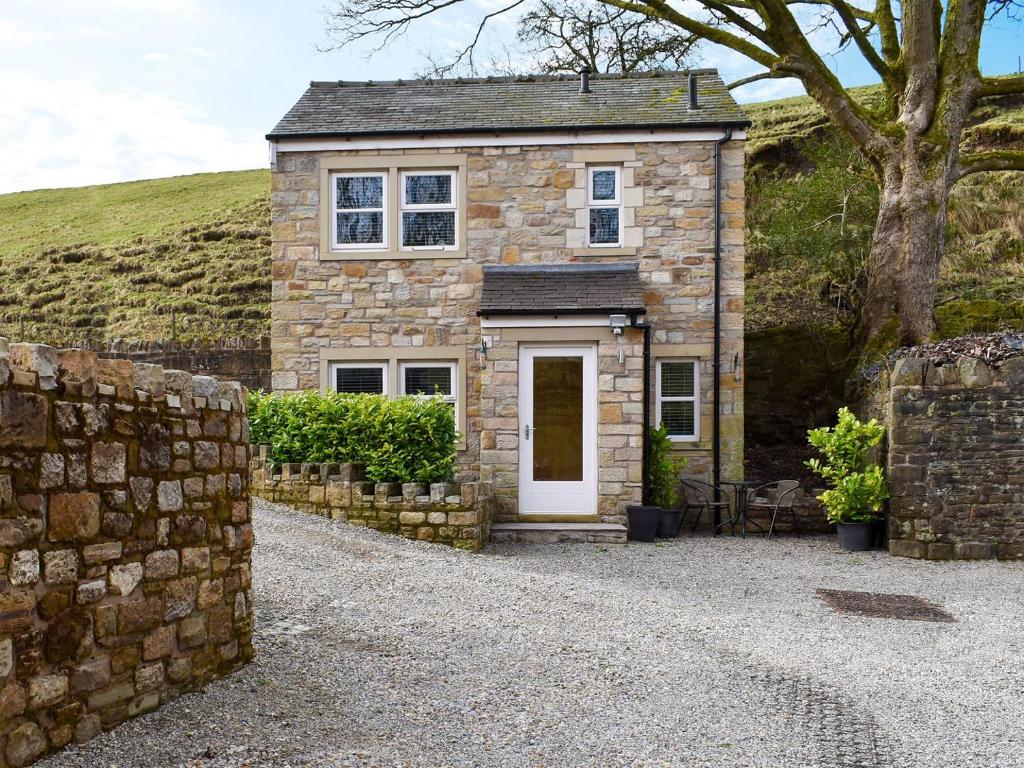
x,y
740,488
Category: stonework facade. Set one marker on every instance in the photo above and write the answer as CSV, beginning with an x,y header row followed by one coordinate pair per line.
x,y
523,204
125,542
457,514
954,463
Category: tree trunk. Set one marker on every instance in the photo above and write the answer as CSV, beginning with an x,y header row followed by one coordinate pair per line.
x,y
907,245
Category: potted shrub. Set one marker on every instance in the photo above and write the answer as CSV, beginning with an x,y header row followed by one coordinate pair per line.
x,y
662,516
665,470
856,490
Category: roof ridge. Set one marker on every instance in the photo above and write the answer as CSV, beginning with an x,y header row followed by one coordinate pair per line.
x,y
508,80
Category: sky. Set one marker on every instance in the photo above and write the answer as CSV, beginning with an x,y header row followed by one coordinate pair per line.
x,y
99,91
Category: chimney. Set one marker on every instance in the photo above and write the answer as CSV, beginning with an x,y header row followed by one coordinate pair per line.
x,y
692,82
584,80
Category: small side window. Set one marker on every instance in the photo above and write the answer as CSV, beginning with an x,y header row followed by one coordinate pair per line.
x,y
359,378
678,399
604,206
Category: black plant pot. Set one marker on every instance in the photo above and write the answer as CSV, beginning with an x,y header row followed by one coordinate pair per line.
x,y
643,522
668,523
856,537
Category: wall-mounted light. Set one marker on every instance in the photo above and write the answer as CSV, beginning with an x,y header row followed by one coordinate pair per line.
x,y
484,346
736,366
618,324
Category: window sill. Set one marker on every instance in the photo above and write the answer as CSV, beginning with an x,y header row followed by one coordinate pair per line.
x,y
459,253
599,251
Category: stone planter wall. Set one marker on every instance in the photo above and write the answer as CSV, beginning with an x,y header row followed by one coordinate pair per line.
x,y
457,514
955,459
125,542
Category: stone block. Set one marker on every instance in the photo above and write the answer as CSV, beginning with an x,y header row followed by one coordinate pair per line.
x,y
973,373
23,419
60,567
108,462
119,374
74,516
90,675
101,553
169,496
124,578
179,598
907,548
910,372
24,569
90,591
25,744
39,359
139,615
46,690
205,387
161,564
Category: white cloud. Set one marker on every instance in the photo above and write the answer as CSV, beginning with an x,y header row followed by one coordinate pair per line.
x,y
71,133
13,33
157,57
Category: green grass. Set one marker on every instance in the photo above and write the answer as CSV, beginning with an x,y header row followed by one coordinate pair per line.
x,y
137,260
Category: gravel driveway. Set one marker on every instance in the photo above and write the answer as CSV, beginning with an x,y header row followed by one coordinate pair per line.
x,y
376,651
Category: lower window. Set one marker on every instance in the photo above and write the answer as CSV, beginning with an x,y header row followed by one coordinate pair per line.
x,y
360,378
677,399
427,378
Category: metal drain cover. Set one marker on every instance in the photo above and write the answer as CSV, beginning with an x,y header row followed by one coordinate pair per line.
x,y
877,605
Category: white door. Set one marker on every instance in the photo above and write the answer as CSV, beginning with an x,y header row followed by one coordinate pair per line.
x,y
557,429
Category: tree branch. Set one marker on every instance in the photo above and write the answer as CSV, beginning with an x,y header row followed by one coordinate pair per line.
x,y
769,75
661,10
867,50
996,160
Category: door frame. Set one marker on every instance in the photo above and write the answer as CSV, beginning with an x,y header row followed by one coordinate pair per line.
x,y
527,352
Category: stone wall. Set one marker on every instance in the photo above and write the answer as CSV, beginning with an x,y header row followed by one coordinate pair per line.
x,y
245,360
955,460
457,514
523,206
125,542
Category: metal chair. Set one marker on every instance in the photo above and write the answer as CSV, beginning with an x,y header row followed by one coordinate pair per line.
x,y
779,494
700,496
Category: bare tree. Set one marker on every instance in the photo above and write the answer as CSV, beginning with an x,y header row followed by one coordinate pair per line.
x,y
925,52
569,35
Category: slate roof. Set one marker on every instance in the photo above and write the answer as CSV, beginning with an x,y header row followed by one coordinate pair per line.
x,y
556,289
535,103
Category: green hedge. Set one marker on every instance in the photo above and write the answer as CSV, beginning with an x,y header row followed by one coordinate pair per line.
x,y
404,440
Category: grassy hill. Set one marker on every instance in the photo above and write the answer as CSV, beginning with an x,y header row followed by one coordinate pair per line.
x,y
131,260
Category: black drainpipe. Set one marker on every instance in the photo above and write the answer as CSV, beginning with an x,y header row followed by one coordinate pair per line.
x,y
716,445
645,467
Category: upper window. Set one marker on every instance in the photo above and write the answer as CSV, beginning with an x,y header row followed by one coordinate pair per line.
x,y
354,378
429,378
360,211
604,206
678,395
428,209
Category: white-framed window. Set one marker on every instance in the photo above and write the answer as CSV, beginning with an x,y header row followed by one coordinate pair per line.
x,y
355,378
426,377
428,209
678,399
604,206
360,205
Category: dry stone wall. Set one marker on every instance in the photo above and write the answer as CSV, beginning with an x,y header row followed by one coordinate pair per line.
x,y
955,459
457,514
125,542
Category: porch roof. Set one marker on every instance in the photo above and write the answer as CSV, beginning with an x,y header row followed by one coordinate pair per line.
x,y
558,289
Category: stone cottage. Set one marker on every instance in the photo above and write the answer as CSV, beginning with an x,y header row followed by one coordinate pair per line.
x,y
544,252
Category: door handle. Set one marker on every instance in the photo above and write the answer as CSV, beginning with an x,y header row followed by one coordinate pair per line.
x,y
526,429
